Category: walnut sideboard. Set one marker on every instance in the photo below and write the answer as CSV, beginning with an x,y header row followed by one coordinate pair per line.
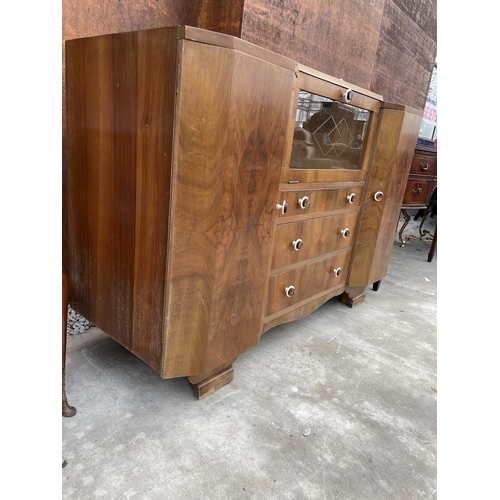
x,y
217,189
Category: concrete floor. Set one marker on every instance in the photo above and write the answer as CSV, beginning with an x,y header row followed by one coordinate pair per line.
x,y
338,405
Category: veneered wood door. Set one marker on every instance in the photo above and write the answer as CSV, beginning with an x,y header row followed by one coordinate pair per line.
x,y
233,111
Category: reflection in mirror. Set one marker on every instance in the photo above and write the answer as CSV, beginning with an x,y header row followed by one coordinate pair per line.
x,y
328,134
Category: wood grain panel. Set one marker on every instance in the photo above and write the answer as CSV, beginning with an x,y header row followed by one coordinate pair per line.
x,y
202,114
119,124
302,310
157,58
260,110
308,281
321,200
391,163
401,163
319,236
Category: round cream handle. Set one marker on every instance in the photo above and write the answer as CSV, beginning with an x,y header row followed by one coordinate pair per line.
x,y
337,272
347,95
289,290
351,198
304,202
378,196
283,207
298,244
346,232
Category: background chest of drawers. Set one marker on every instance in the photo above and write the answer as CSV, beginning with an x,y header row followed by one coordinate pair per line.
x,y
217,189
421,185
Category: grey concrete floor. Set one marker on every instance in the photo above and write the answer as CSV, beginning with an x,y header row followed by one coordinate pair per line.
x,y
341,404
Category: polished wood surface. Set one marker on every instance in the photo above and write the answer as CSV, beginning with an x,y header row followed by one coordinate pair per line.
x,y
318,236
178,249
308,281
119,182
396,137
320,201
226,180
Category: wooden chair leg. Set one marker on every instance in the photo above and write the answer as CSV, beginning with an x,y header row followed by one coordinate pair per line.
x,y
67,410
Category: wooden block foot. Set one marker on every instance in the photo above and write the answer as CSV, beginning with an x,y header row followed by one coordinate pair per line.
x,y
354,301
206,384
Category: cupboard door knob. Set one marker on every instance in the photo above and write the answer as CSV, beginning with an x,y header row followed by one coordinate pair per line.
x,y
424,166
298,244
337,272
378,196
289,290
351,198
304,202
347,95
283,207
345,232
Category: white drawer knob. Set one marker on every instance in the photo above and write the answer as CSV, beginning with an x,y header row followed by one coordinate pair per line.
x,y
351,198
289,290
337,272
298,244
378,196
283,207
304,202
345,232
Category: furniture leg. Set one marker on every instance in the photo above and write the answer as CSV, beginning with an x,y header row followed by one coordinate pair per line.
x,y
433,246
407,218
376,285
67,410
353,297
424,218
208,383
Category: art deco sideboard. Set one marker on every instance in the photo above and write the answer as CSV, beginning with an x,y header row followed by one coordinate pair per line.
x,y
217,189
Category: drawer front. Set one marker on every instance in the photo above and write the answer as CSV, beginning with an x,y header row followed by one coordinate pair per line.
x,y
321,200
297,241
418,192
306,281
424,165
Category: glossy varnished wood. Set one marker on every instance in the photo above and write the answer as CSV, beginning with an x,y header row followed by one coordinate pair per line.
x,y
319,236
396,136
228,158
120,113
320,201
308,280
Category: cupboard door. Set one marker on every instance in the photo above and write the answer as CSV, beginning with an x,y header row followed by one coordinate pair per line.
x,y
232,114
396,137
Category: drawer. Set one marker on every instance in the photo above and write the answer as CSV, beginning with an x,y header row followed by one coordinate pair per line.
x,y
424,165
297,241
418,192
307,281
321,200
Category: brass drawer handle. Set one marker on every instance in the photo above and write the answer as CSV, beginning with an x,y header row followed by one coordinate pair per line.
x,y
424,166
289,290
298,244
351,198
417,191
345,232
337,272
283,207
304,202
